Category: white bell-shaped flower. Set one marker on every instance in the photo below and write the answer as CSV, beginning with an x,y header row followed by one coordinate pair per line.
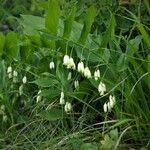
x,y
112,101
102,88
24,79
81,67
71,64
15,73
97,74
105,107
109,106
87,73
68,107
51,65
39,97
62,100
66,60
10,75
9,69
21,89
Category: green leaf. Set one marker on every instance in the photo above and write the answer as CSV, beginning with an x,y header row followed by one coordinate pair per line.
x,y
2,43
88,146
45,82
52,18
31,24
2,74
133,45
52,114
12,48
145,35
91,13
110,32
122,63
69,22
50,93
149,69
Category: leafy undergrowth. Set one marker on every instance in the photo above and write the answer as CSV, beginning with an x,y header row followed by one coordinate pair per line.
x,y
77,78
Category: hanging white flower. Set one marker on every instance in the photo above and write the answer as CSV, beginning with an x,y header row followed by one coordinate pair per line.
x,y
10,75
14,79
21,89
105,107
87,73
66,60
112,101
62,100
76,84
102,88
81,67
97,74
38,98
109,106
69,76
9,69
68,107
24,79
71,64
51,65
15,73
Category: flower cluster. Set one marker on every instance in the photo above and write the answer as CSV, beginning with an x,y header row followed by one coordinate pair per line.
x,y
108,106
69,62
